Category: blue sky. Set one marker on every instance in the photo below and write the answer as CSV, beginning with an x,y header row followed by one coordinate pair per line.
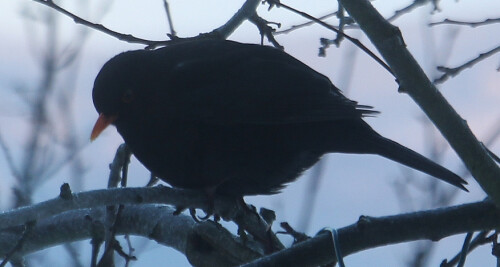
x,y
474,94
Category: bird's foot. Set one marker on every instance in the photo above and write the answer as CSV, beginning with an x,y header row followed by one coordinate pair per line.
x,y
209,211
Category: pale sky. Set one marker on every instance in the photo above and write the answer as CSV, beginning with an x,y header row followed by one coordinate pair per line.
x,y
474,94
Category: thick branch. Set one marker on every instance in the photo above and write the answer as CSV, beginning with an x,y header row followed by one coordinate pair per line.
x,y
371,232
413,80
152,221
97,198
243,216
180,232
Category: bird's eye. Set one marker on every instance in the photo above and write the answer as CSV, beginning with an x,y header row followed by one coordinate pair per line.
x,y
128,96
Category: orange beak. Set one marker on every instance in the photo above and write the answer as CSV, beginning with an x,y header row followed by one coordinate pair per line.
x,y
102,122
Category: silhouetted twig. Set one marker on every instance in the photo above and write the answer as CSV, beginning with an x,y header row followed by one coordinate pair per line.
x,y
169,18
466,23
99,27
330,27
452,72
28,227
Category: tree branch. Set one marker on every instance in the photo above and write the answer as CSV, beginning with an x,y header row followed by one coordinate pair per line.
x,y
334,29
305,24
152,221
472,24
413,80
246,11
103,197
371,232
225,207
99,27
452,72
183,234
169,18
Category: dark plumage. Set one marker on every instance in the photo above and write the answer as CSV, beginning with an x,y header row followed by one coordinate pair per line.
x,y
240,119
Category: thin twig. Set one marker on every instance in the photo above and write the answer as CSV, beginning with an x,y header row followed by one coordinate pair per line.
x,y
396,15
8,157
265,29
74,254
57,166
245,12
169,18
131,249
407,9
480,239
120,163
466,23
330,27
99,27
28,227
305,24
128,154
452,72
465,249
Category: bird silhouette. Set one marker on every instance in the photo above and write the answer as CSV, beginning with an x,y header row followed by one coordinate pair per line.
x,y
235,119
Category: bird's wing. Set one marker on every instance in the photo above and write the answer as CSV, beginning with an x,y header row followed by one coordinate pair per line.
x,y
228,82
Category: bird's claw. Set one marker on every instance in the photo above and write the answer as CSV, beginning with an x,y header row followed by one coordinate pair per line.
x,y
209,214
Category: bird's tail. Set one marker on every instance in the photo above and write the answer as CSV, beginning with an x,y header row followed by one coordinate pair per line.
x,y
394,151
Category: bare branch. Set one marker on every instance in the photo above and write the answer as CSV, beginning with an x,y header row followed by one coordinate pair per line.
x,y
152,221
370,232
452,72
226,207
265,29
169,18
466,23
245,12
480,239
99,27
408,9
305,24
52,170
77,224
8,157
330,27
28,227
223,31
413,80
396,15
158,223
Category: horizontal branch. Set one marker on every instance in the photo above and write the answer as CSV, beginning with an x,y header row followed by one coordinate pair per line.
x,y
183,234
371,232
98,198
466,23
247,10
225,207
151,221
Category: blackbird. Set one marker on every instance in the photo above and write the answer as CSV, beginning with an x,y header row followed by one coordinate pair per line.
x,y
235,119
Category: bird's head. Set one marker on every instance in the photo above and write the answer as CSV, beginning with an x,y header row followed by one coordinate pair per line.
x,y
118,88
